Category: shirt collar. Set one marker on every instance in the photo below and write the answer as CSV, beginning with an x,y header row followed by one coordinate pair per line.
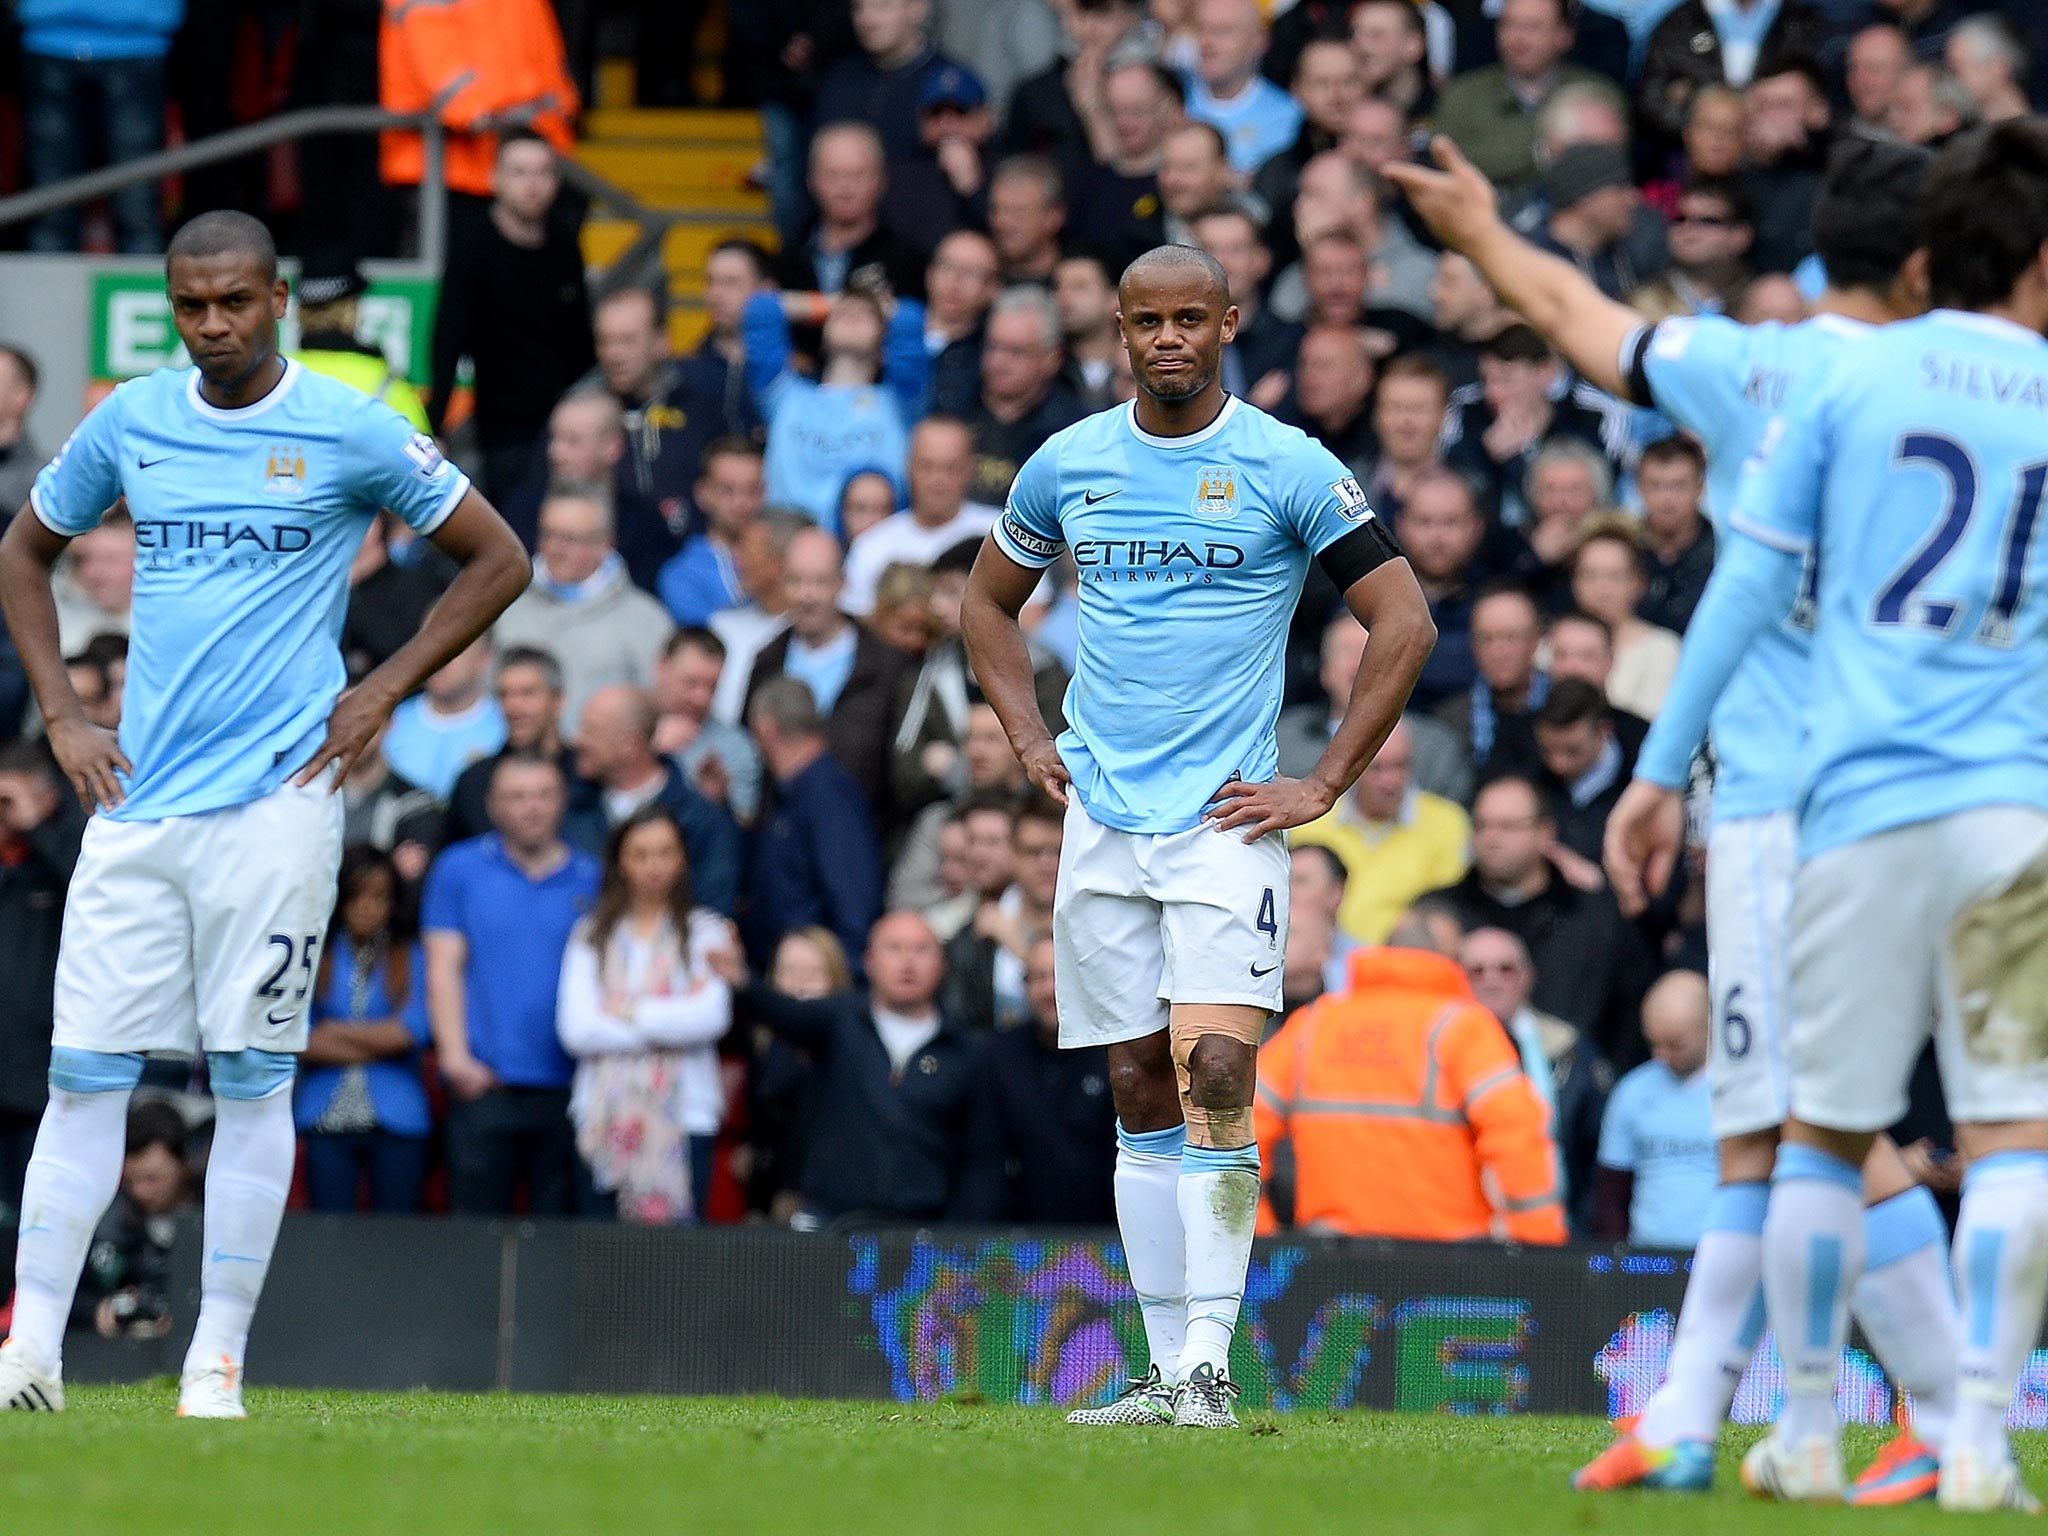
x,y
1595,781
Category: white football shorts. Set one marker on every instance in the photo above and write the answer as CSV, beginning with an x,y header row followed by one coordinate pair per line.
x,y
200,932
1751,865
1876,961
1143,920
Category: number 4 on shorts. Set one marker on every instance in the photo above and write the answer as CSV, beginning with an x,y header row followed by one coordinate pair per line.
x,y
1266,923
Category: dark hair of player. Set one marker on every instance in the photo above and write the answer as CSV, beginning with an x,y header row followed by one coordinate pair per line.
x,y
1986,212
225,232
1676,446
1178,258
1866,221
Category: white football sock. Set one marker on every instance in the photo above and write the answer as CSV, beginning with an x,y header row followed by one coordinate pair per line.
x,y
1718,1324
1813,1254
248,1178
72,1178
1148,1216
1219,1208
1906,1303
2001,1261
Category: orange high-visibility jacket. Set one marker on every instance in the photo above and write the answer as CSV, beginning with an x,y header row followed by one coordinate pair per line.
x,y
503,56
1398,1096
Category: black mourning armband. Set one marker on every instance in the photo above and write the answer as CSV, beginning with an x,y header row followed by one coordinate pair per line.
x,y
1637,377
1359,553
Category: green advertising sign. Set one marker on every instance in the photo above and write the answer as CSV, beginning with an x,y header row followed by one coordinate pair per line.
x,y
132,332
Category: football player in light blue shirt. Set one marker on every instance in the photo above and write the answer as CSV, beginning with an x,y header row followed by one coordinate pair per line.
x,y
1723,382
207,876
1191,517
1913,469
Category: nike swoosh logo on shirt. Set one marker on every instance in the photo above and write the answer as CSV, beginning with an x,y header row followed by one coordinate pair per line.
x,y
1091,498
142,463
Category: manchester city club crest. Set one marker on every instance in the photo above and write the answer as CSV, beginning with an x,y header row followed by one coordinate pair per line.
x,y
284,471
1216,492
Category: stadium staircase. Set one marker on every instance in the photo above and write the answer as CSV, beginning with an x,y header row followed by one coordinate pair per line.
x,y
688,161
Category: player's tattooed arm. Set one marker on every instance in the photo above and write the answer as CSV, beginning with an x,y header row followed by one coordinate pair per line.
x,y
494,570
1458,204
997,591
1399,637
90,755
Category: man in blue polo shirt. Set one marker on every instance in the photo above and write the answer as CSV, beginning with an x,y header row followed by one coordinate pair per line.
x,y
497,915
1658,1166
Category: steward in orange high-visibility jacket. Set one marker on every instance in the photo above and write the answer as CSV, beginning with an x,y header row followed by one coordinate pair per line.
x,y
1406,1106
505,62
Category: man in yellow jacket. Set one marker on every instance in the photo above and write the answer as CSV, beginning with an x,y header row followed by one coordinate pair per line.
x,y
1407,1109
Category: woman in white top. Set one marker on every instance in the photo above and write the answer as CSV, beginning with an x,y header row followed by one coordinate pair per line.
x,y
641,1011
1608,581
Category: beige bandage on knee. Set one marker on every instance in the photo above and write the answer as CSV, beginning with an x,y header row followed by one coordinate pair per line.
x,y
1998,953
1227,1126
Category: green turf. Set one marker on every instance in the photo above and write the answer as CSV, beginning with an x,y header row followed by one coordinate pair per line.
x,y
345,1464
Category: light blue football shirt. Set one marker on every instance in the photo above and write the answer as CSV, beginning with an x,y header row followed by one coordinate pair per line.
x,y
1915,467
1723,383
1659,1126
246,522
1190,553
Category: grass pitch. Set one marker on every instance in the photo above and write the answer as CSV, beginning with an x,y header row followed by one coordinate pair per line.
x,y
350,1464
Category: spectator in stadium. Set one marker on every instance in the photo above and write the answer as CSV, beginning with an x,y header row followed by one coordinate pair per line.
x,y
815,858
386,811
887,1141
1878,57
1710,236
809,964
1023,400
512,300
95,581
1438,764
1591,968
1439,528
1714,128
1467,312
329,289
1493,432
714,374
703,577
1930,106
1316,886
871,381
1327,86
1989,61
1053,1113
1593,205
1004,41
1449,1142
387,599
1396,841
1391,45
1582,647
1609,582
448,725
1407,416
582,608
1495,719
869,498
496,919
759,556
1491,112
847,180
125,1289
1062,111
1258,362
1566,482
1787,139
1773,297
903,608
1027,212
941,468
719,759
98,676
1332,382
665,427
1678,541
1256,118
528,689
360,1105
944,186
1337,196
985,988
1701,44
1571,1078
883,83
1658,1163
960,284
94,76
1118,195
40,829
641,1010
1584,766
21,457
1194,177
1084,293
974,769
851,673
587,446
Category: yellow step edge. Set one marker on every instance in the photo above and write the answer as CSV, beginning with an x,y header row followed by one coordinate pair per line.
x,y
707,124
684,247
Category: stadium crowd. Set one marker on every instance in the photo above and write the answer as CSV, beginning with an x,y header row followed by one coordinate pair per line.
x,y
708,887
